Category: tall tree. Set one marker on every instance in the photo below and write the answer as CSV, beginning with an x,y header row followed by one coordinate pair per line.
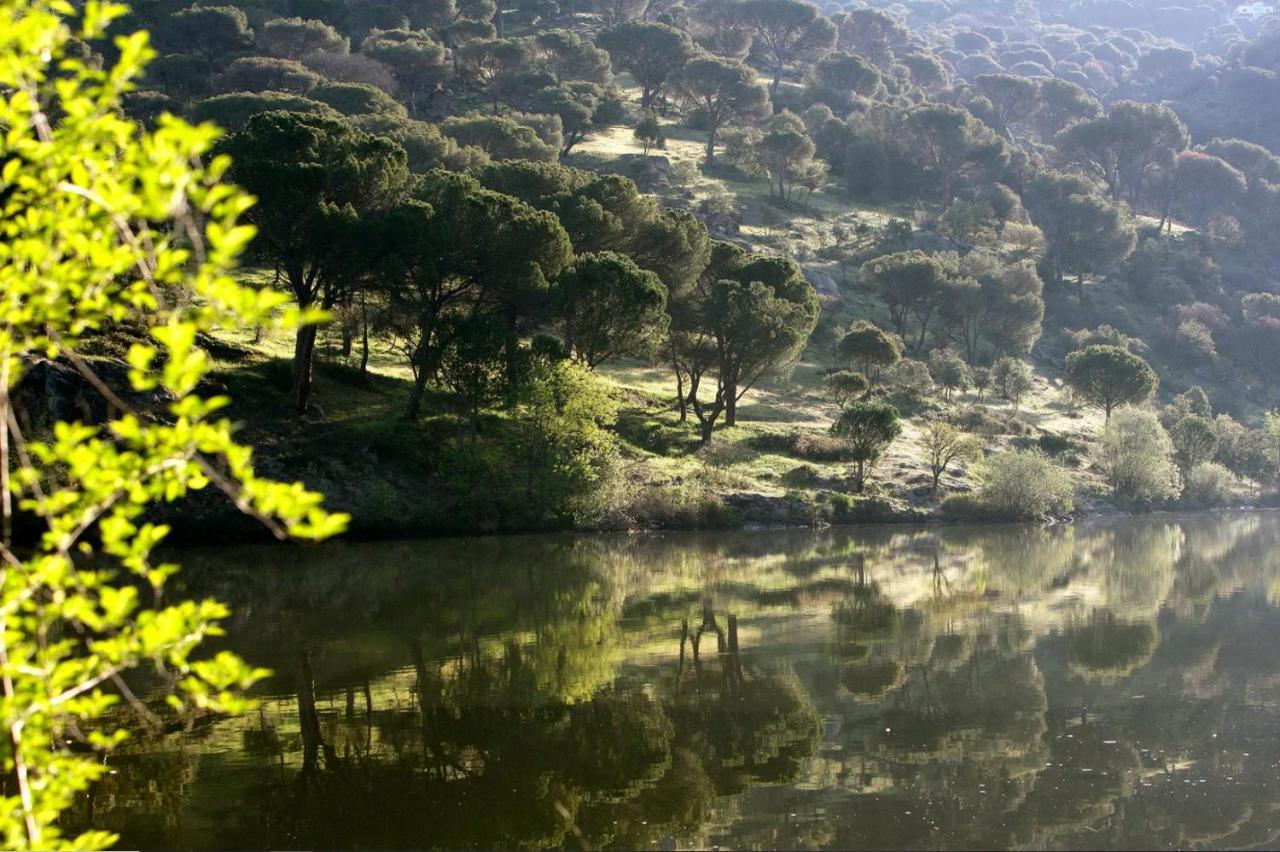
x,y
1086,233
1123,148
314,178
1013,99
210,31
873,33
649,52
912,284
416,59
953,145
789,31
609,307
1110,376
746,317
725,92
294,38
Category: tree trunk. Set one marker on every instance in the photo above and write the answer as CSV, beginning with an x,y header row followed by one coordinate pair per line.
x,y
364,337
680,403
348,338
416,394
308,719
711,145
304,348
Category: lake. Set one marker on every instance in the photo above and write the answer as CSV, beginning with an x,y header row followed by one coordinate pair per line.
x,y
1108,684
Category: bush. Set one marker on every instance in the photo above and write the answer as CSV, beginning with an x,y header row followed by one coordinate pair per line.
x,y
1017,485
1137,456
816,446
910,379
1209,484
1055,445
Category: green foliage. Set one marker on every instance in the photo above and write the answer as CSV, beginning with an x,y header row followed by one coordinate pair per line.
x,y
910,380
868,428
949,371
90,212
295,38
1018,485
1137,457
357,99
844,387
649,133
564,444
1109,376
944,445
870,348
1195,441
610,307
648,51
500,137
233,111
1209,484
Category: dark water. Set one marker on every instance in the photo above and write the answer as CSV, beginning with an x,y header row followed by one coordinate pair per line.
x,y
1106,685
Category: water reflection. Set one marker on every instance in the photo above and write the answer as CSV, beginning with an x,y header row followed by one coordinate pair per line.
x,y
1105,685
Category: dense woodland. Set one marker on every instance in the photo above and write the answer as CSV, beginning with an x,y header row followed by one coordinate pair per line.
x,y
932,234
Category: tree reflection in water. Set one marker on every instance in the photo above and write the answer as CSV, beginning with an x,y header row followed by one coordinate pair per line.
x,y
1101,685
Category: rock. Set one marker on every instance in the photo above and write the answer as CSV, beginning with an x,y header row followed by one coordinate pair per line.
x,y
762,511
52,391
651,173
721,225
822,281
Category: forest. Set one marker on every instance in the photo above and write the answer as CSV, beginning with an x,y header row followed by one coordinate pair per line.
x,y
631,264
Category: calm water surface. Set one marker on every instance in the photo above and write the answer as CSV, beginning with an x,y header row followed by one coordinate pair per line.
x,y
1106,685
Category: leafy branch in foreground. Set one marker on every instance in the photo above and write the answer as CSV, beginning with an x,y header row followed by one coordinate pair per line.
x,y
103,226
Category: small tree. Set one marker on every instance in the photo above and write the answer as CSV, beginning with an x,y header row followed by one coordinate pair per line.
x,y
1135,453
1195,441
868,428
846,387
981,381
949,372
1109,376
1012,379
870,348
649,133
472,364
945,445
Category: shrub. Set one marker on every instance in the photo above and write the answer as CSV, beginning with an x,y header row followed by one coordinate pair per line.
x,y
1209,484
949,372
910,379
1018,485
1136,454
1055,445
1012,379
815,446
